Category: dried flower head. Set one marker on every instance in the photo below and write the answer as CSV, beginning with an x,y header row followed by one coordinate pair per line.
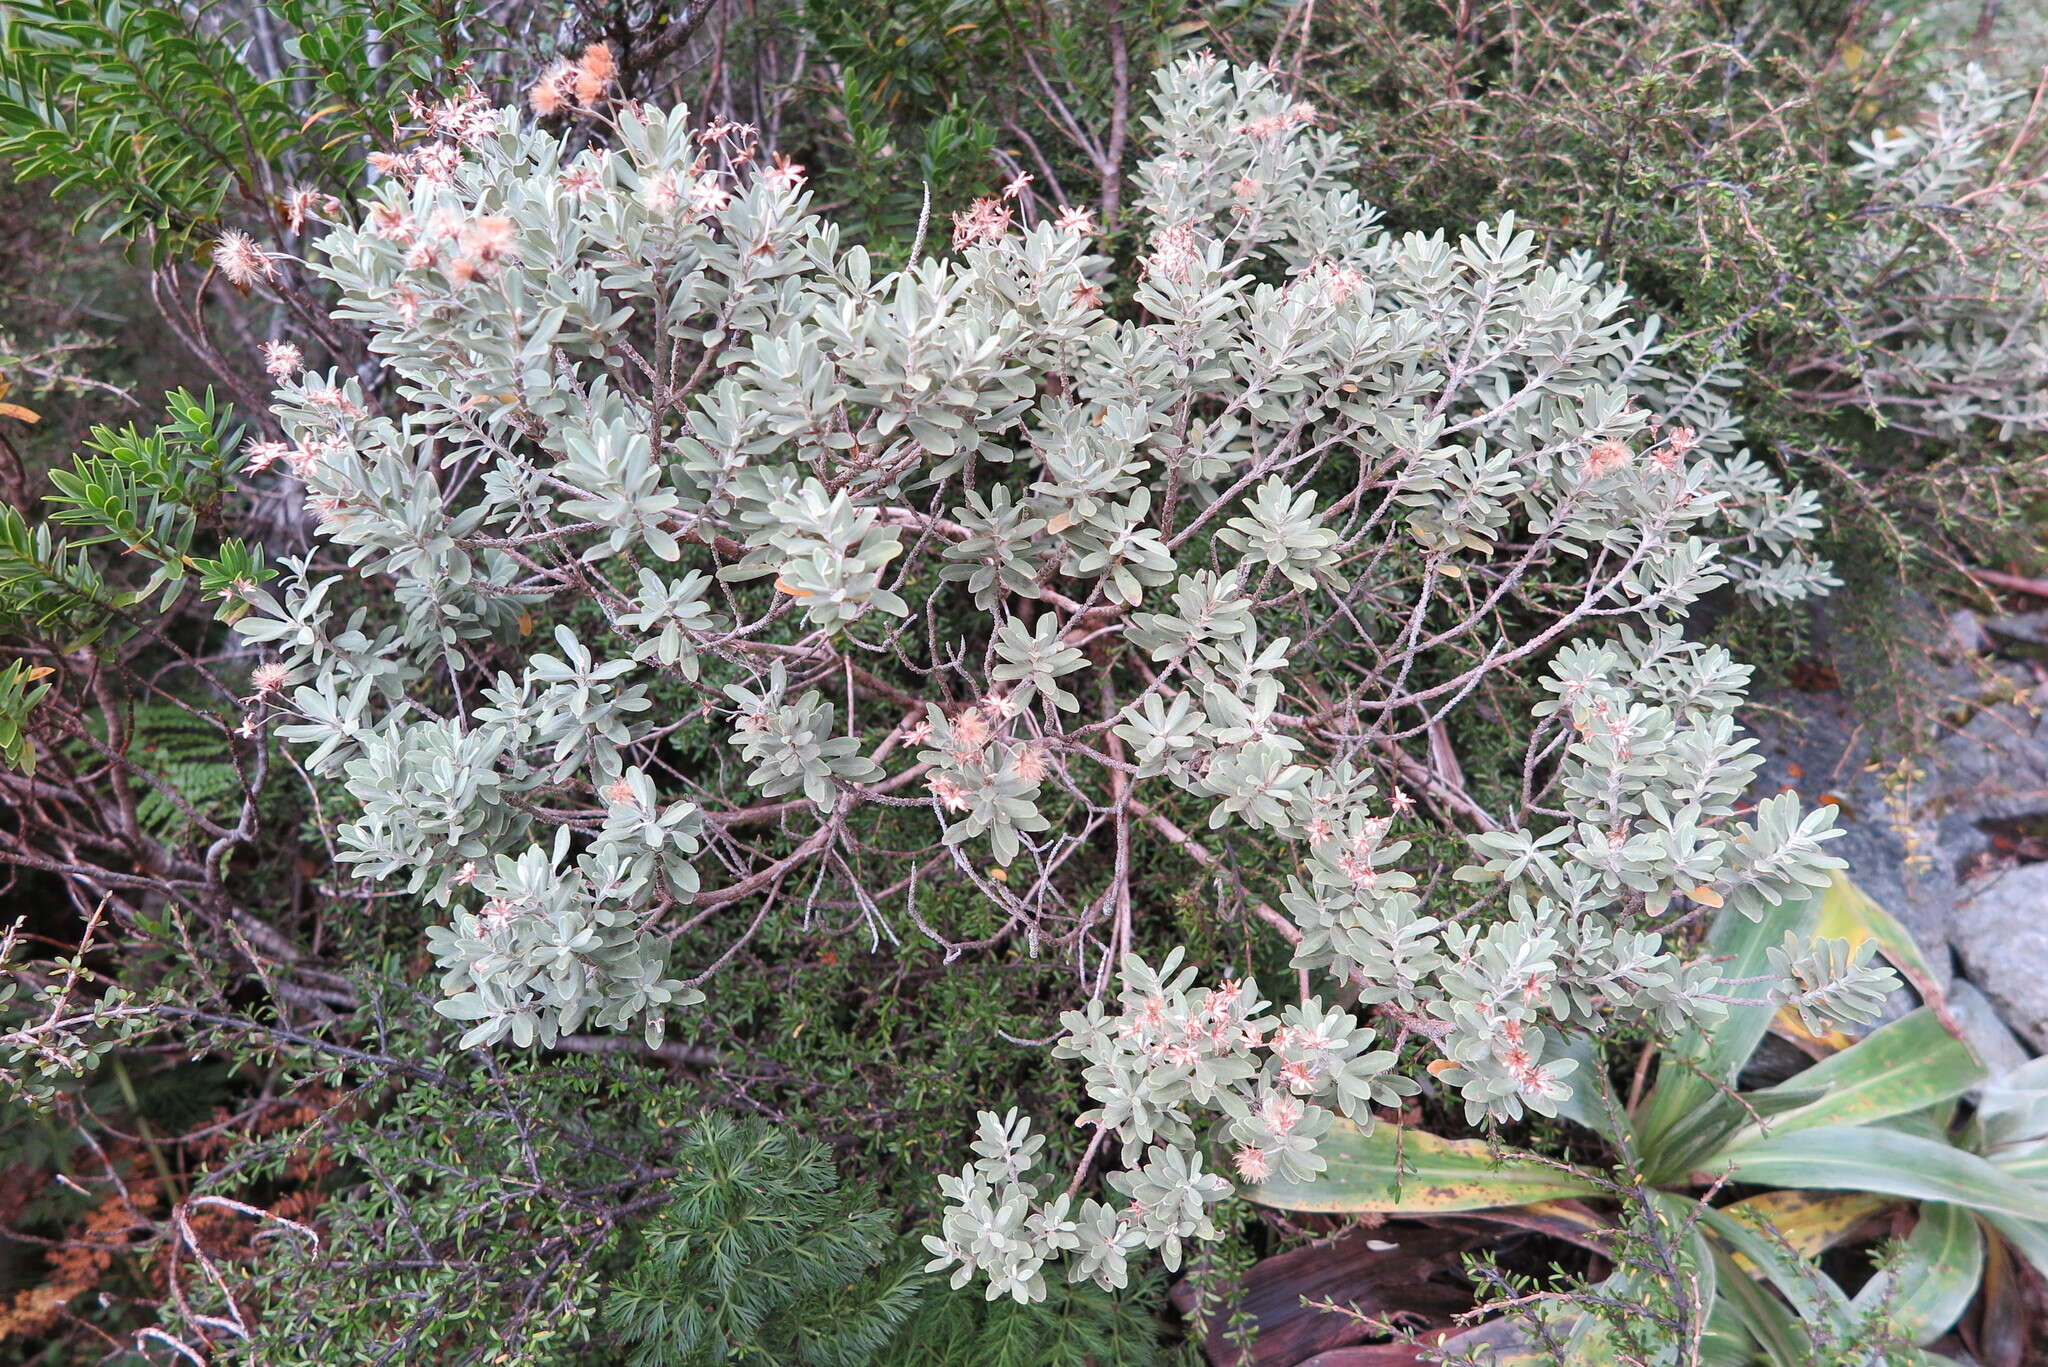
x,y
553,92
594,73
1174,254
1605,457
282,360
241,260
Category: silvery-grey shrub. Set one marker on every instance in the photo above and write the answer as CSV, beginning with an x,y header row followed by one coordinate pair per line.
x,y
1949,270
1029,550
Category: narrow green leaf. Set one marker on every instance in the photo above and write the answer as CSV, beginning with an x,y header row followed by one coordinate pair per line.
x,y
1685,1104
1873,1158
1397,1170
1934,1281
1909,1065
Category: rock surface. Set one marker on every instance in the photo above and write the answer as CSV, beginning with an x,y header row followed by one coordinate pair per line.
x,y
1943,804
1985,1029
1927,829
2000,934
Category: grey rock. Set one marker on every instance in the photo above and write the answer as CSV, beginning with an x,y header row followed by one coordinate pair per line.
x,y
2023,635
1966,633
2000,932
1987,1034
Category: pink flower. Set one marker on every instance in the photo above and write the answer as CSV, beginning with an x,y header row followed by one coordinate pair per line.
x,y
1338,282
261,455
1300,1074
467,873
1017,187
392,223
1604,457
707,196
621,793
1682,442
436,162
1073,220
268,677
1174,254
785,174
593,73
581,180
281,360
1280,1113
981,224
950,794
299,205
1266,127
971,728
1541,1084
241,260
1152,1012
1030,763
1219,1002
1252,1164
488,238
1358,869
661,192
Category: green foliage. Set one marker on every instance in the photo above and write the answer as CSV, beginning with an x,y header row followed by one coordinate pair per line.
x,y
1837,218
758,1253
187,754
151,494
140,106
1075,1326
164,119
20,691
473,1215
1876,1119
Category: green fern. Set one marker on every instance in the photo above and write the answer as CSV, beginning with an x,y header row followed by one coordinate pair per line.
x,y
188,754
1074,1326
760,1256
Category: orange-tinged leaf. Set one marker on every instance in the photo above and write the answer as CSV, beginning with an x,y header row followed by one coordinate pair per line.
x,y
1788,1025
20,414
322,113
1706,896
1810,1222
